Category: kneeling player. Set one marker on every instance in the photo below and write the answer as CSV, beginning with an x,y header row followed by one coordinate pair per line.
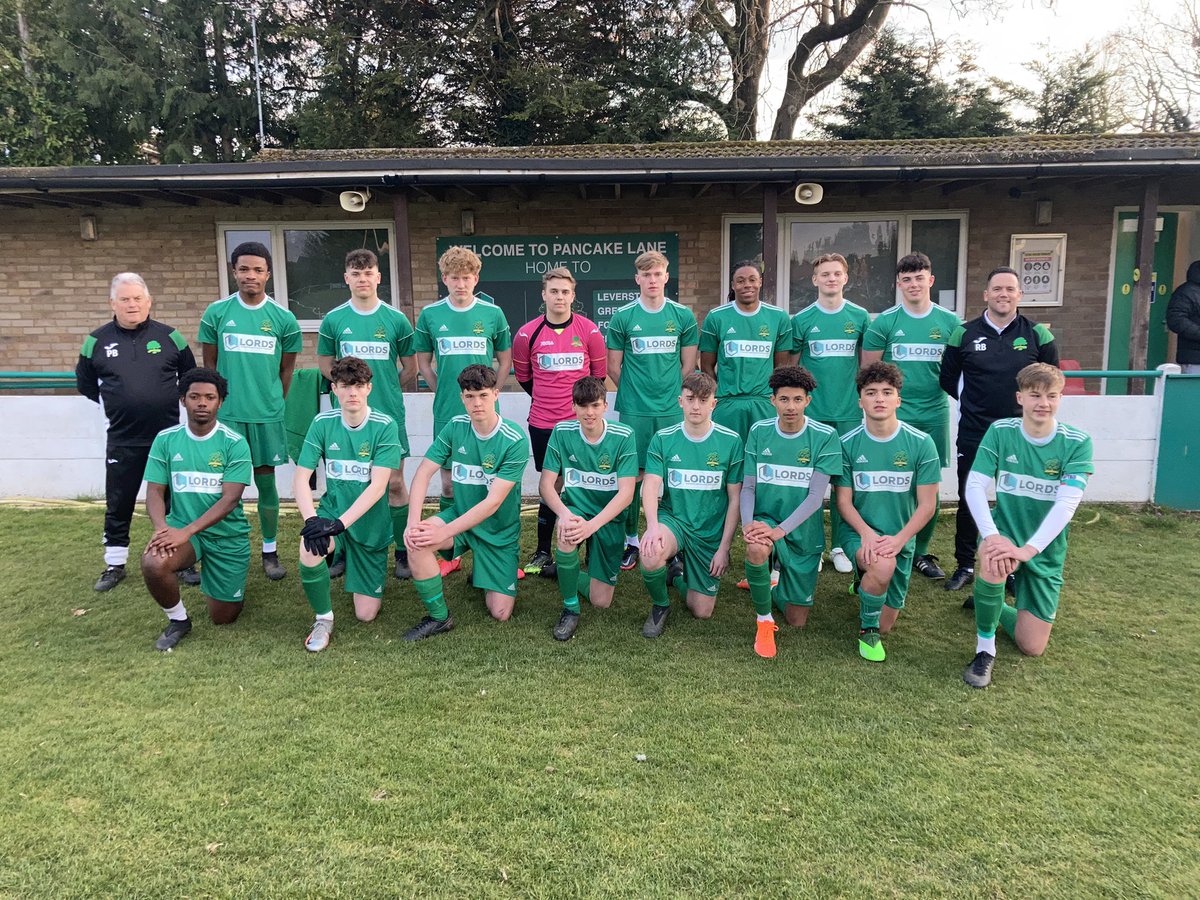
x,y
1039,468
697,468
486,457
207,466
361,449
597,460
789,461
887,491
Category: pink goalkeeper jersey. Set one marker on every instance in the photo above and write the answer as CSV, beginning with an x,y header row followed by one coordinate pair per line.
x,y
555,359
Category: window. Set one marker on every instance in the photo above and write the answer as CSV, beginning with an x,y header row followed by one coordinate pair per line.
x,y
309,260
872,244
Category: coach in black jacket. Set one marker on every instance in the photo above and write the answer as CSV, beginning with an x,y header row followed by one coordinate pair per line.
x,y
132,365
1183,318
979,367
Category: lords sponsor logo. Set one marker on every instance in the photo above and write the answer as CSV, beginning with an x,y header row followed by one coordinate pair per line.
x,y
365,349
592,481
197,482
347,470
666,344
749,349
1018,485
249,343
891,482
462,346
917,352
560,362
825,349
787,476
464,473
695,479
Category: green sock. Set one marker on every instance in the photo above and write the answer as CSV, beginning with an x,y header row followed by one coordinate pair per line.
x,y
680,585
656,586
568,576
1008,617
989,601
869,608
399,523
315,581
268,505
583,584
760,587
634,508
429,590
924,537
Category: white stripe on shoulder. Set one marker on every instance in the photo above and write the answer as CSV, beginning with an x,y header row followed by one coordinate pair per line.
x,y
852,433
670,429
172,429
764,423
228,432
818,426
461,417
567,425
628,305
328,414
618,427
724,430
510,432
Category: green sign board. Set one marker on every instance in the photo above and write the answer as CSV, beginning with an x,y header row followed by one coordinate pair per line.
x,y
602,264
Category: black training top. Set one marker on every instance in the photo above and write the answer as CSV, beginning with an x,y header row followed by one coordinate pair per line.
x,y
135,371
988,362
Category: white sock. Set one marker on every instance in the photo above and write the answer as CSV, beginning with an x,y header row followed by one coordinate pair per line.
x,y
985,645
767,618
325,617
631,540
268,546
176,613
116,556
837,550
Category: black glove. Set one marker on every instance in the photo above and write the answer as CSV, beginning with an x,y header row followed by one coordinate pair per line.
x,y
316,534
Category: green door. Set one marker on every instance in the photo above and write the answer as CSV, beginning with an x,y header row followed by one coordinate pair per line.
x,y
1122,295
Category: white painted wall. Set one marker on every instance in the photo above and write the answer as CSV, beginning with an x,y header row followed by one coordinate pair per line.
x,y
53,446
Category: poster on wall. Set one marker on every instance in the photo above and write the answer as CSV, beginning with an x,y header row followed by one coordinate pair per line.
x,y
513,266
1039,261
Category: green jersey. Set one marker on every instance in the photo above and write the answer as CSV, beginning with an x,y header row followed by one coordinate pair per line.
x,y
250,342
829,344
590,471
783,465
1028,474
379,338
885,474
351,455
915,344
745,345
696,473
652,343
458,338
475,461
195,470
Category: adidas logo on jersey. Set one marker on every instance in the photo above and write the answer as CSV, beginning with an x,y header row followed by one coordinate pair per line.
x,y
276,459
231,322
334,446
676,458
572,458
347,331
637,327
731,330
238,592
1012,458
443,328
861,459
512,587
767,452
175,458
462,449
816,329
899,332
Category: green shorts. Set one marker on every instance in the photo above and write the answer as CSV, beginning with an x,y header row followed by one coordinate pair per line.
x,y
604,549
940,432
644,428
366,568
493,568
898,587
697,553
226,564
739,412
798,568
1038,588
267,440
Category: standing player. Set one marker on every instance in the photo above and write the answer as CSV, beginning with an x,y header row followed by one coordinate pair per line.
x,y
828,338
550,354
887,491
741,343
789,462
596,462
1039,468
361,450
486,456
253,342
651,349
913,336
382,337
207,466
696,467
132,364
458,331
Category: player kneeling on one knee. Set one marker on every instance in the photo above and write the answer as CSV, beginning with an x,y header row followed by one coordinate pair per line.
x,y
207,466
1039,468
361,449
789,462
696,467
486,456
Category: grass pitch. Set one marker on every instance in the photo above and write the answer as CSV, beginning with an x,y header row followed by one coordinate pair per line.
x,y
495,762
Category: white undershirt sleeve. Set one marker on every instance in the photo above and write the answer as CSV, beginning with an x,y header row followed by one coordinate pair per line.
x,y
746,499
976,499
1066,501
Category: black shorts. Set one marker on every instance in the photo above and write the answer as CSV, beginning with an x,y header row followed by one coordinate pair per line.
x,y
538,439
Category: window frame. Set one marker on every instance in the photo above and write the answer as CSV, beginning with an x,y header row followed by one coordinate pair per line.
x,y
276,228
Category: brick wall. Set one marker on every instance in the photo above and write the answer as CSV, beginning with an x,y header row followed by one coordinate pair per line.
x,y
54,286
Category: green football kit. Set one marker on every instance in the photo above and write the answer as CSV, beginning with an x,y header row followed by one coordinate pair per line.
x,y
474,461
696,474
829,345
651,375
783,466
915,345
1028,474
351,454
458,338
379,338
589,482
195,470
745,345
885,475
